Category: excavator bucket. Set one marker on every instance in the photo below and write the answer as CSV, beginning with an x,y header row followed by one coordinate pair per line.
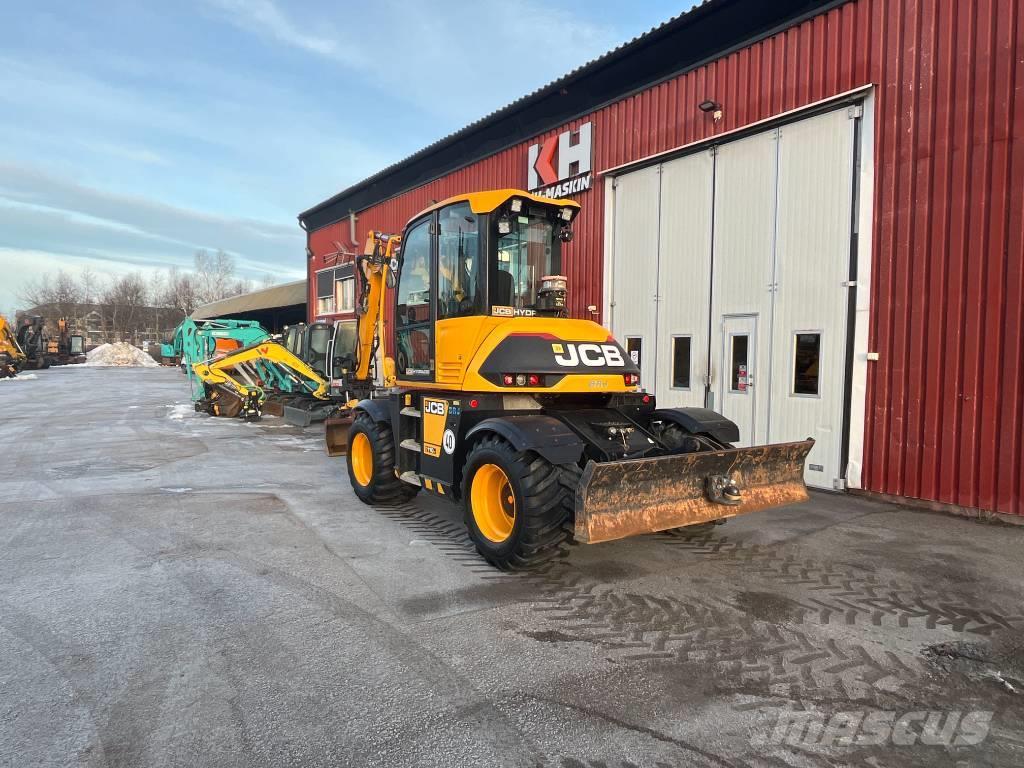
x,y
306,412
336,432
626,498
273,407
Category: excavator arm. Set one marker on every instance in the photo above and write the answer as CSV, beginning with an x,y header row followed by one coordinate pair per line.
x,y
234,384
379,255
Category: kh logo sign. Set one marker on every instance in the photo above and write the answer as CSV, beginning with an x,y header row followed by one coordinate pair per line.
x,y
561,165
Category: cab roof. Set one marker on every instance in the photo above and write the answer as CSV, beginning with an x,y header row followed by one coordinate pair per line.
x,y
492,199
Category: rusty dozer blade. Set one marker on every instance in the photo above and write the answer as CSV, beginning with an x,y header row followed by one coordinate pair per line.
x,y
626,498
336,429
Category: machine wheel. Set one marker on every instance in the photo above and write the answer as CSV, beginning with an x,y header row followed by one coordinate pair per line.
x,y
371,463
516,505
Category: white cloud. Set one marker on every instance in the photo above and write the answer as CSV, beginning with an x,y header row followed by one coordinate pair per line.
x,y
133,154
48,223
264,17
259,239
459,61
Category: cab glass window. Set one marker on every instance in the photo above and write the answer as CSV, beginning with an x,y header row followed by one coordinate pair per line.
x,y
414,349
459,281
528,252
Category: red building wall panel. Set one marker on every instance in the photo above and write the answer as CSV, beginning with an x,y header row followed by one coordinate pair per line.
x,y
945,402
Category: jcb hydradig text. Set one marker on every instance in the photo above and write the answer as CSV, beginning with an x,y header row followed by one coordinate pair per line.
x,y
533,421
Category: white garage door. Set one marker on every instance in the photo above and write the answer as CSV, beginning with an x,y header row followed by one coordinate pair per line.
x,y
728,281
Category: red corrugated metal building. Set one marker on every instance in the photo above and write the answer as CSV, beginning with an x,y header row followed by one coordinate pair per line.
x,y
931,371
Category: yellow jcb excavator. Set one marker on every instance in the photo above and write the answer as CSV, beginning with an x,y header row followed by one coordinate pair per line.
x,y
12,358
535,422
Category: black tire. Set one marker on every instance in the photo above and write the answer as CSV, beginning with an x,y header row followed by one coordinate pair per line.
x,y
383,487
542,506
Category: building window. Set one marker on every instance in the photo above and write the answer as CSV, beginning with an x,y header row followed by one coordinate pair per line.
x,y
634,348
807,364
739,372
681,362
335,290
325,292
345,294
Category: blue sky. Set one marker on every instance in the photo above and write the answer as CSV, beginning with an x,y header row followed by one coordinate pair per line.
x,y
133,133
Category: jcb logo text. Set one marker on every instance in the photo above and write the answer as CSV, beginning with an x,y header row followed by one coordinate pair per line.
x,y
590,355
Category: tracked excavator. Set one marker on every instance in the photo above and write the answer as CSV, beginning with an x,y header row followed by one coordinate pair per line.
x,y
490,396
237,369
66,348
34,341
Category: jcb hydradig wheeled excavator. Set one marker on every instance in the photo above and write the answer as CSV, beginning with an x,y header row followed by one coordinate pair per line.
x,y
535,422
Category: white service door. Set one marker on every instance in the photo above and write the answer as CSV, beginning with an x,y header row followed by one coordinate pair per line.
x,y
737,386
634,277
684,280
729,273
812,263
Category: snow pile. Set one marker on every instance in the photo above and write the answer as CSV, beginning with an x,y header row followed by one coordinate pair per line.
x,y
119,353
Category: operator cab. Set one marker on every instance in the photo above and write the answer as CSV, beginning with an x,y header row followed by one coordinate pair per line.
x,y
310,343
493,254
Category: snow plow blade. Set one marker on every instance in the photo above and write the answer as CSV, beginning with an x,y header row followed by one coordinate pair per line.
x,y
627,498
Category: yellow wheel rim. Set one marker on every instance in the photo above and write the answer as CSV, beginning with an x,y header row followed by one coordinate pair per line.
x,y
493,503
360,454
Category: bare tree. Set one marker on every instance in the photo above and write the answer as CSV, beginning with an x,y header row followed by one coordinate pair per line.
x,y
215,275
60,289
159,287
179,291
89,286
37,291
67,293
121,305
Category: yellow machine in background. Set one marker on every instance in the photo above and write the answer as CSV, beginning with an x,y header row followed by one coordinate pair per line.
x,y
261,378
495,398
12,358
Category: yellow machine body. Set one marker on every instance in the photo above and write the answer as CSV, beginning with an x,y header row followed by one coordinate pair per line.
x,y
12,358
491,379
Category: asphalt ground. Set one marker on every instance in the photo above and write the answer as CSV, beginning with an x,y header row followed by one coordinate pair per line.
x,y
182,590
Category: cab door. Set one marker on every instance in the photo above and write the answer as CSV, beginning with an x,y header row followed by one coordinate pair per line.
x,y
461,278
414,317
